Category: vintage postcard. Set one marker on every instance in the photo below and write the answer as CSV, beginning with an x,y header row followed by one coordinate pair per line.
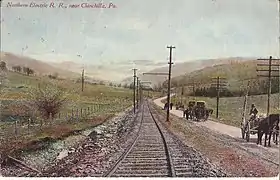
x,y
115,88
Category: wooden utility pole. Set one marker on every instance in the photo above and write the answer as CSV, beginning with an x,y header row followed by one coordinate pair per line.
x,y
193,88
218,97
169,80
245,103
134,79
137,92
219,85
182,93
270,75
279,54
83,79
141,94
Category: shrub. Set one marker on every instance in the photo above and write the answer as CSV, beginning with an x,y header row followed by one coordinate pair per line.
x,y
48,99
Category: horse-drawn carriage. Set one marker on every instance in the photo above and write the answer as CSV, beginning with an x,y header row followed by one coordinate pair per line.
x,y
259,124
200,110
264,124
249,127
189,112
197,110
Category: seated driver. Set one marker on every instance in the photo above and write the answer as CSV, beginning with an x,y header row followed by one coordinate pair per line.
x,y
253,112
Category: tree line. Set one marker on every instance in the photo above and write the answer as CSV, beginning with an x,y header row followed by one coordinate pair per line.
x,y
260,88
26,70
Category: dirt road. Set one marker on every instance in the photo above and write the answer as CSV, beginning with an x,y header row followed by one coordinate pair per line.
x,y
219,127
232,135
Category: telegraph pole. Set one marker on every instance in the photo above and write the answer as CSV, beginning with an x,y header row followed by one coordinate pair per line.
x,y
219,85
270,75
279,54
169,80
141,94
137,92
134,79
218,97
83,79
182,93
245,102
193,88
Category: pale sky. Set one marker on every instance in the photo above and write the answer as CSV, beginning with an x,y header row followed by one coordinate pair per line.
x,y
141,30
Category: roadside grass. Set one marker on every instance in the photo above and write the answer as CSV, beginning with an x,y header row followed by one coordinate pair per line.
x,y
231,108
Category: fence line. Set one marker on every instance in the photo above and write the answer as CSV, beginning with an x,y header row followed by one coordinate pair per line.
x,y
35,124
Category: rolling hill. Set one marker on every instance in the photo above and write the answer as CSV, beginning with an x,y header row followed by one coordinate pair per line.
x,y
237,75
40,68
92,72
182,69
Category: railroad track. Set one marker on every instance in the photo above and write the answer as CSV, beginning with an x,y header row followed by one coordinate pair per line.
x,y
149,155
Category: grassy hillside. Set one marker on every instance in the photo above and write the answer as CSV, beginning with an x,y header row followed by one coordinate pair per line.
x,y
230,109
39,67
236,74
105,101
92,93
181,69
92,71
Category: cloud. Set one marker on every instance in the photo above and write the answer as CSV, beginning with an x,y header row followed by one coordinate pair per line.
x,y
199,29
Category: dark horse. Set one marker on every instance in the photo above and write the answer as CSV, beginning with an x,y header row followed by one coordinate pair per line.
x,y
209,112
188,113
266,126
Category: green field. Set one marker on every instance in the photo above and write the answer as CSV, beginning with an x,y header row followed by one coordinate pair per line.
x,y
98,103
230,109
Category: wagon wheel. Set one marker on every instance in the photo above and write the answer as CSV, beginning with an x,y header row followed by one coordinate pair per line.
x,y
248,132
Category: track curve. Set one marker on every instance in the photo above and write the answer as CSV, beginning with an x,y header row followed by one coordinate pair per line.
x,y
150,153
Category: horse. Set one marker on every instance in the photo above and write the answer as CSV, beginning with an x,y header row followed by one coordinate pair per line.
x,y
209,112
198,113
266,126
188,113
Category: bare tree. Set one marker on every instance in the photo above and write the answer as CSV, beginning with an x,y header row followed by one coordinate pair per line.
x,y
48,99
16,68
30,71
3,66
3,74
53,76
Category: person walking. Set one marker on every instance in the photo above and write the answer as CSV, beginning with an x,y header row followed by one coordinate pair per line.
x,y
171,105
165,106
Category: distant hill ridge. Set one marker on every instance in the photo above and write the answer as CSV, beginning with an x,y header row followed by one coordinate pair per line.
x,y
180,69
236,74
39,67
